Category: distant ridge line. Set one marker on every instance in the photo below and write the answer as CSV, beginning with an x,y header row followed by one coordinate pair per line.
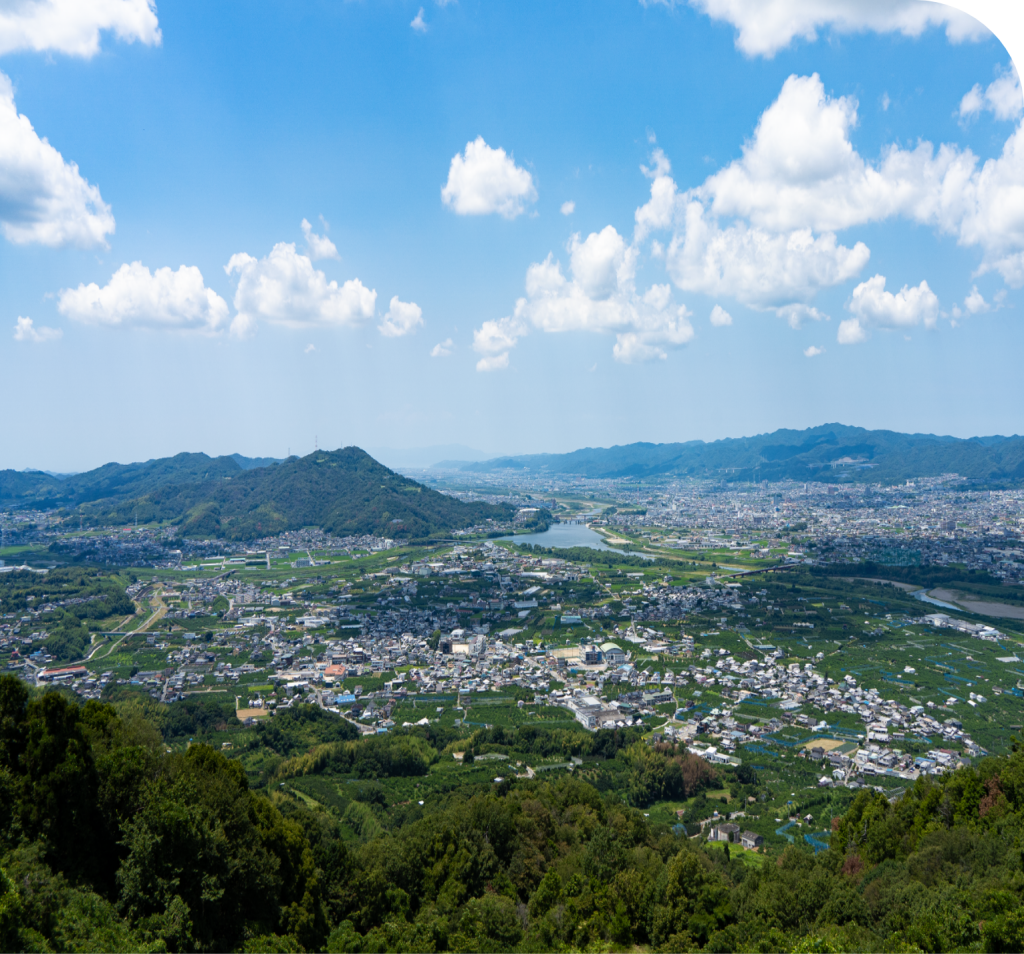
x,y
832,452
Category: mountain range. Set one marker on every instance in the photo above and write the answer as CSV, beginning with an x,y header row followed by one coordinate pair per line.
x,y
831,452
41,489
346,491
343,492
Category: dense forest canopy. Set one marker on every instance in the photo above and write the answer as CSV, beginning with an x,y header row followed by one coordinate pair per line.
x,y
110,840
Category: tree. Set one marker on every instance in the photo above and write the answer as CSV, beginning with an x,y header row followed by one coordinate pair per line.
x,y
10,915
1005,933
746,774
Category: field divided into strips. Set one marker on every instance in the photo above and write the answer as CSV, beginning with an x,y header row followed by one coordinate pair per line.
x,y
875,651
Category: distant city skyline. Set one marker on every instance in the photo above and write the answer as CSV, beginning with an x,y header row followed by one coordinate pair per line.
x,y
516,228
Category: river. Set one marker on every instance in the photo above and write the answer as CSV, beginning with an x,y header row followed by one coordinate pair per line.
x,y
923,596
567,535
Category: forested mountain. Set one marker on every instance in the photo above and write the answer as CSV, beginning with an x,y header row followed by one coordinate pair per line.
x,y
36,489
832,452
25,487
343,491
109,840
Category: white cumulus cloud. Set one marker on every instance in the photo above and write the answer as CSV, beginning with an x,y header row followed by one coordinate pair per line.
x,y
659,211
44,199
813,351
872,306
494,362
796,314
766,26
720,317
1002,97
800,180
602,263
285,289
134,296
655,331
25,330
771,254
568,207
493,339
991,207
483,180
851,331
418,23
599,296
800,170
74,26
975,302
319,246
763,231
402,318
442,349
758,267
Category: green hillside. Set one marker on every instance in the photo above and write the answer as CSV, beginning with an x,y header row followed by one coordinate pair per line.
x,y
36,489
27,488
344,492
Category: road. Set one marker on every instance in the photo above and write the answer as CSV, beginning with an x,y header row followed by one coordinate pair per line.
x,y
159,608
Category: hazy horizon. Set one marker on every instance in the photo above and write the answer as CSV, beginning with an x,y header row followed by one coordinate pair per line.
x,y
411,457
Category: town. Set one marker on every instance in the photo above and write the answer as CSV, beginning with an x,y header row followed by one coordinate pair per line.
x,y
728,621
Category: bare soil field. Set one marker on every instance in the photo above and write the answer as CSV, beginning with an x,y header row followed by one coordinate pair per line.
x,y
827,744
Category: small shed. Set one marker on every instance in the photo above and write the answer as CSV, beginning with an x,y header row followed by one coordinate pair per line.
x,y
750,839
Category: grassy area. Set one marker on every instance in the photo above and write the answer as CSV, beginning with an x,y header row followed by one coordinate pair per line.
x,y
752,858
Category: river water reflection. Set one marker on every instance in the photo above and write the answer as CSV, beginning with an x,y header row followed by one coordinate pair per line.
x,y
923,596
567,535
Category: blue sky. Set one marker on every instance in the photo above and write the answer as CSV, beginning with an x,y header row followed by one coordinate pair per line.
x,y
520,218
